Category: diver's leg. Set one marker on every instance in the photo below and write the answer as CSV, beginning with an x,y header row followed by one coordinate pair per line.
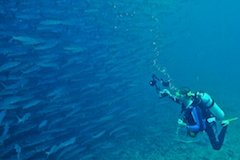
x,y
222,134
212,136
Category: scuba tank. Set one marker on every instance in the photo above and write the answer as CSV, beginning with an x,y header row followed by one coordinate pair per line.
x,y
212,106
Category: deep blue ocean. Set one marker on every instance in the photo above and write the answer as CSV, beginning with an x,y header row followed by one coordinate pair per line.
x,y
74,77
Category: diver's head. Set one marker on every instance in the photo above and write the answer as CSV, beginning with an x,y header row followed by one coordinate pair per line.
x,y
185,95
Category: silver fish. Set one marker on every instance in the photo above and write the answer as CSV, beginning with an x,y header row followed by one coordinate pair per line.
x,y
98,135
18,149
2,116
5,134
55,148
42,124
24,118
8,66
50,22
32,103
26,40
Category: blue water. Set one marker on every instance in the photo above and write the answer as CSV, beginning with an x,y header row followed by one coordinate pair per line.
x,y
74,77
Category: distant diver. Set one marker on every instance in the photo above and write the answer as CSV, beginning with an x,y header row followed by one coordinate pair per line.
x,y
199,111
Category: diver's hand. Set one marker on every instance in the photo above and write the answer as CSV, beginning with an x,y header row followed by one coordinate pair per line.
x,y
225,123
180,122
164,93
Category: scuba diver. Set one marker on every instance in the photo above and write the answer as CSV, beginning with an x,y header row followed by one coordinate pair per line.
x,y
199,112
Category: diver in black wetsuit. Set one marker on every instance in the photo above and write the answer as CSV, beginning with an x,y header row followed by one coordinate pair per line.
x,y
197,121
199,112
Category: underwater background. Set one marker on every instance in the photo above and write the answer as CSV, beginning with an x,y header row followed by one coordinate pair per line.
x,y
74,77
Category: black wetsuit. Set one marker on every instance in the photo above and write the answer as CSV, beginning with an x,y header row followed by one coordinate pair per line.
x,y
216,140
203,113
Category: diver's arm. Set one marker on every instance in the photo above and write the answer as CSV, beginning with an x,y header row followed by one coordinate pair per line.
x,y
182,123
167,93
164,93
196,127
